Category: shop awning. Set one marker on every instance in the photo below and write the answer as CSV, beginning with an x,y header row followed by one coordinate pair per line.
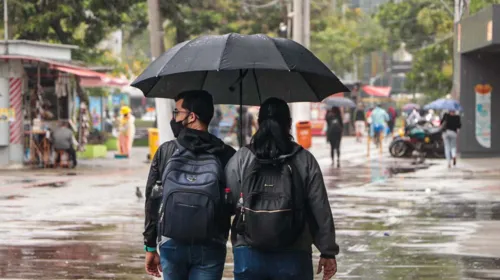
x,y
88,77
377,91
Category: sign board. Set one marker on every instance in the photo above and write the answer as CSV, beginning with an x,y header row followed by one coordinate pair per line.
x,y
7,114
489,31
483,114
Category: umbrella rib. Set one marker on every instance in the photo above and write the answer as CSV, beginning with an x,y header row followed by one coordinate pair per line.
x,y
222,52
281,53
310,87
204,80
173,56
257,85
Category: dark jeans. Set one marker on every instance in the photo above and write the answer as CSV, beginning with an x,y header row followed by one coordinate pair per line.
x,y
251,264
71,154
335,139
192,262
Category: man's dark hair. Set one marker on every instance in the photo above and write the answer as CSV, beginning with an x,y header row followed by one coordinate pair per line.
x,y
199,102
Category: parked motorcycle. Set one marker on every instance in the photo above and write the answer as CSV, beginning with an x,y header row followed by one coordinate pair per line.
x,y
422,138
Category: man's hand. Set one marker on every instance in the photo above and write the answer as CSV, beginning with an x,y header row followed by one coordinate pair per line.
x,y
330,267
153,266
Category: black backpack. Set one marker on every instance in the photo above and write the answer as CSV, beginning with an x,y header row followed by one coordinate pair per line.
x,y
335,125
273,212
192,201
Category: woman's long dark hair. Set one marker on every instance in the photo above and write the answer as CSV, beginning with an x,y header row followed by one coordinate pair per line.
x,y
273,137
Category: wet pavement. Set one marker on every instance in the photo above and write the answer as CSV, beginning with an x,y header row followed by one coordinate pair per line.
x,y
394,220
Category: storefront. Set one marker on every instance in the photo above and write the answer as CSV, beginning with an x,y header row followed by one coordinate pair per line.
x,y
38,90
479,46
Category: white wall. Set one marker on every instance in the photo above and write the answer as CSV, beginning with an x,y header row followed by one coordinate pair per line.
x,y
9,153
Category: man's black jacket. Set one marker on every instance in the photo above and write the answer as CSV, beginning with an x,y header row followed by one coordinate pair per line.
x,y
195,141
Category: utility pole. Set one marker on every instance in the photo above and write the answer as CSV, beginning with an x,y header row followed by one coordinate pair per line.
x,y
457,15
333,6
6,26
301,34
163,106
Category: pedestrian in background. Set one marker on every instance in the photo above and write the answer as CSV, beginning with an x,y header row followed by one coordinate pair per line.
x,y
282,207
392,120
450,124
379,119
249,124
334,133
347,121
214,127
62,140
360,122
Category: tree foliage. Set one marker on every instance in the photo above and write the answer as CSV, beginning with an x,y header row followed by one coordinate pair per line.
x,y
76,22
337,39
192,18
477,5
426,26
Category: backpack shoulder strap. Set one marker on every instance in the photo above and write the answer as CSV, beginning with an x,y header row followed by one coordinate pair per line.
x,y
180,149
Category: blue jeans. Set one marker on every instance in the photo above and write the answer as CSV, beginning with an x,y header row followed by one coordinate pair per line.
x,y
450,144
251,264
192,262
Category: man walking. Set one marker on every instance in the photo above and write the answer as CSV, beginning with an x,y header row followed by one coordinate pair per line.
x,y
360,122
379,121
188,216
249,124
214,126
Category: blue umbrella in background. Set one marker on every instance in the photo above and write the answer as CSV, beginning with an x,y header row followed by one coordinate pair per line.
x,y
444,104
339,102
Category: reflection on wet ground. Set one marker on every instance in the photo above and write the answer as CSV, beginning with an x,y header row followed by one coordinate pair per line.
x,y
391,224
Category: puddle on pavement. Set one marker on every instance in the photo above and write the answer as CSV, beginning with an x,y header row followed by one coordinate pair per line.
x,y
11,197
51,184
380,238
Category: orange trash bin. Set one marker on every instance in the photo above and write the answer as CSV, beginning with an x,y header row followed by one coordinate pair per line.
x,y
304,134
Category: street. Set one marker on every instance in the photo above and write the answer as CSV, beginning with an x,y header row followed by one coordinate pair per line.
x,y
394,220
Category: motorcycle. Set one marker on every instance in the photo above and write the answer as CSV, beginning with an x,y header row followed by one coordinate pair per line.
x,y
426,140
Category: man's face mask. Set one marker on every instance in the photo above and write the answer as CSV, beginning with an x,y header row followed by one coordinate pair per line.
x,y
178,126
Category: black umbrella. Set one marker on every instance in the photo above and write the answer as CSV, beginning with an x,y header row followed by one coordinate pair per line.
x,y
259,65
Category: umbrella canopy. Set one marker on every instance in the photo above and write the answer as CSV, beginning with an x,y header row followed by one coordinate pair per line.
x,y
339,102
240,69
444,104
410,107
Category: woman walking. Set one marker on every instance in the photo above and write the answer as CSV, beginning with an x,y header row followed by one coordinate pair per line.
x,y
334,132
450,124
282,204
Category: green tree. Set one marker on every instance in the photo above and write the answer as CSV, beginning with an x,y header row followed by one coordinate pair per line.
x,y
426,26
338,39
477,5
187,19
77,22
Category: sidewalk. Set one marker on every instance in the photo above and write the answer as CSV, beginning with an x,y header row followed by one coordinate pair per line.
x,y
481,165
351,152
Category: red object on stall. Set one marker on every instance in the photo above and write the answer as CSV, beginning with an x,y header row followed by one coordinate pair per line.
x,y
377,91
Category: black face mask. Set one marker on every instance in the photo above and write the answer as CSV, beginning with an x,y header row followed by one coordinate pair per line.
x,y
177,127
